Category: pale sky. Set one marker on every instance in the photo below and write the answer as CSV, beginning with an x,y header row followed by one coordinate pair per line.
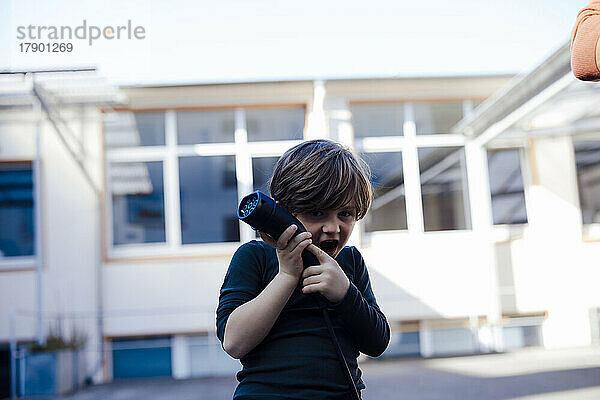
x,y
209,41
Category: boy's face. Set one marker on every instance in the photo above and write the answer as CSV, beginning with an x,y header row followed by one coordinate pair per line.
x,y
330,229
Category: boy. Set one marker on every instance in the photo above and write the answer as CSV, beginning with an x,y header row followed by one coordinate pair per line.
x,y
265,317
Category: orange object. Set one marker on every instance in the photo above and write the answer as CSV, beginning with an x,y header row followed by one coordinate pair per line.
x,y
585,50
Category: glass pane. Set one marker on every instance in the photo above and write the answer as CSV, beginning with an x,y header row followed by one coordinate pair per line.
x,y
377,120
443,188
275,124
587,157
138,202
506,187
388,211
127,129
437,117
208,195
16,210
194,127
262,169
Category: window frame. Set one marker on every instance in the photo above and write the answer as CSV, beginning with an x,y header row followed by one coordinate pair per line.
x,y
589,232
408,142
18,263
521,147
458,156
169,154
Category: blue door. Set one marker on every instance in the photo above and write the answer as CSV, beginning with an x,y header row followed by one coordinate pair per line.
x,y
141,358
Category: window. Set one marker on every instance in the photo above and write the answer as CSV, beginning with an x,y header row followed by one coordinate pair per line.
x,y
195,127
444,188
17,237
442,170
275,124
587,158
134,129
207,199
506,187
183,190
432,118
384,120
262,169
137,202
377,120
388,211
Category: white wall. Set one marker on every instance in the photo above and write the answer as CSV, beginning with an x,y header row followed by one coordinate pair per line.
x,y
17,289
433,275
180,296
554,270
69,229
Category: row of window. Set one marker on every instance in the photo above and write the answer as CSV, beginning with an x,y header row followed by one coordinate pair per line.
x,y
204,184
207,185
202,127
379,120
208,194
282,123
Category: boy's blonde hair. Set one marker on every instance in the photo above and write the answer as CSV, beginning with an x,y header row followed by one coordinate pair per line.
x,y
321,175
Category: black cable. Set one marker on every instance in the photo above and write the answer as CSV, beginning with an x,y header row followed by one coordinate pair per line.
x,y
345,368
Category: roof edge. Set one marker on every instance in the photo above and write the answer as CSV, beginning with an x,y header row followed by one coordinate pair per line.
x,y
523,87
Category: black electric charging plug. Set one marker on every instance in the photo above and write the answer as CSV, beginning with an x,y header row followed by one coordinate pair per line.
x,y
262,213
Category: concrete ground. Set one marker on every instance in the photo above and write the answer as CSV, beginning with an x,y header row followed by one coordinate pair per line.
x,y
531,374
528,374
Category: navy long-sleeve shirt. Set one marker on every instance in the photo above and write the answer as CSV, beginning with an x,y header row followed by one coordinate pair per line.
x,y
297,359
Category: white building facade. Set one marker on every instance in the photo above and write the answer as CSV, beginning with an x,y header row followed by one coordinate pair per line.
x,y
118,211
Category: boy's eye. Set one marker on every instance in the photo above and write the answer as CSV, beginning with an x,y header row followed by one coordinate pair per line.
x,y
346,214
316,213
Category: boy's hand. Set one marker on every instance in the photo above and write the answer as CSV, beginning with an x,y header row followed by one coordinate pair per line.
x,y
328,278
289,252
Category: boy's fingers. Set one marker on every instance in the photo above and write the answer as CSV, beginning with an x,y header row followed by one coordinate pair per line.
x,y
313,288
285,237
321,255
311,280
312,270
297,252
296,240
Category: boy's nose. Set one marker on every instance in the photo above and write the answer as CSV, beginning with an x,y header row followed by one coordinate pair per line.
x,y
331,226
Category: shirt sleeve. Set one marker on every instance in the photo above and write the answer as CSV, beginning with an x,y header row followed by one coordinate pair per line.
x,y
242,282
361,314
584,40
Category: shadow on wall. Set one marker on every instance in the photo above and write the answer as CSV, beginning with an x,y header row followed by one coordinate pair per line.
x,y
393,299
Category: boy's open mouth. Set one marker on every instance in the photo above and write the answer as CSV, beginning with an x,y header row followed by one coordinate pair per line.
x,y
329,246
